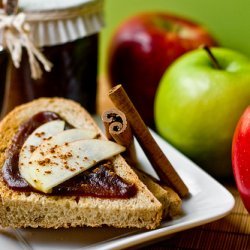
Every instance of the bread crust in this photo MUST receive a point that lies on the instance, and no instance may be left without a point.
(22, 209)
(170, 200)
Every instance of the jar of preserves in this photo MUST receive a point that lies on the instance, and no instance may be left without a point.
(59, 51)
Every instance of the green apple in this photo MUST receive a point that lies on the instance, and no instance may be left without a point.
(197, 105)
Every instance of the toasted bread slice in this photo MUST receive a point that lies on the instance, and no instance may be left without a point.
(170, 200)
(21, 209)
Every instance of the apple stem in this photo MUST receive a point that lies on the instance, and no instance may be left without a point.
(212, 57)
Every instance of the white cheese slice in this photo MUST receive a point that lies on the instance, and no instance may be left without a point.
(61, 163)
(34, 140)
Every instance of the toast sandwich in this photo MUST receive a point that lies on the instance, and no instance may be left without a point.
(33, 208)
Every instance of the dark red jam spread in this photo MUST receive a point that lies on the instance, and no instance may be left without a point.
(100, 181)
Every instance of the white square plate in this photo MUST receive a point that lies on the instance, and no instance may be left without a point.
(209, 201)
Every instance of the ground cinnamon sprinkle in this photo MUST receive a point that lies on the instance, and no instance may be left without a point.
(62, 157)
(32, 148)
(65, 156)
(52, 150)
(44, 162)
(69, 154)
(40, 134)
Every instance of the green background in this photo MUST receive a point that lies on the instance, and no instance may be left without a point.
(227, 20)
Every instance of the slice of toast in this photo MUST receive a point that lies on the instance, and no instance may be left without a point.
(170, 200)
(22, 209)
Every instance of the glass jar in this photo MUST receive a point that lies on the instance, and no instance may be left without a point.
(3, 67)
(74, 71)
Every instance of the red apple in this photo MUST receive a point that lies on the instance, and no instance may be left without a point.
(143, 47)
(241, 157)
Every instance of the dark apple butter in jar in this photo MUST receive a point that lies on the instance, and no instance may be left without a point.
(67, 36)
(73, 75)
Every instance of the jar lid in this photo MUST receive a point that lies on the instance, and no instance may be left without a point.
(57, 22)
(45, 5)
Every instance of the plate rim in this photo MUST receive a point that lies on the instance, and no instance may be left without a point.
(148, 236)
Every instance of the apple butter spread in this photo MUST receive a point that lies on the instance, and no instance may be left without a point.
(99, 181)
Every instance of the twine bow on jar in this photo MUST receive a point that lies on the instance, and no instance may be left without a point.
(16, 35)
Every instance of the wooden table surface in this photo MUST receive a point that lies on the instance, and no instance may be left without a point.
(231, 232)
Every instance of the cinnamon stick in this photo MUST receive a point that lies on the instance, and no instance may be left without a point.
(107, 119)
(118, 129)
(153, 152)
